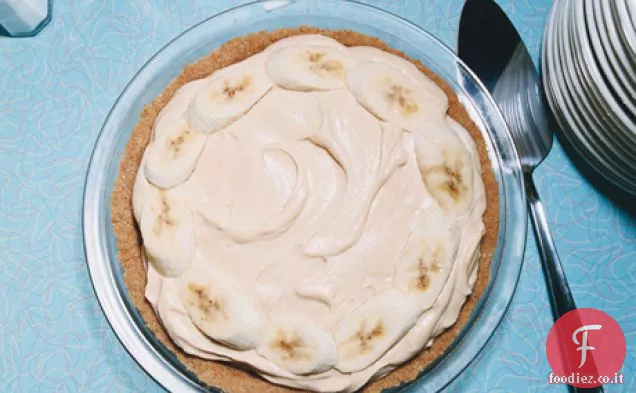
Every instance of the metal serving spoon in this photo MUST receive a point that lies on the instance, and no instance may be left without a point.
(490, 45)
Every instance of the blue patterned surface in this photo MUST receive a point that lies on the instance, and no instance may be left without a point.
(55, 91)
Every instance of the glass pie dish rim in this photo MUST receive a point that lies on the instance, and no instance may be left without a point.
(121, 313)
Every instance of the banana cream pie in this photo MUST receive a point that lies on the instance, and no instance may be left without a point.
(311, 211)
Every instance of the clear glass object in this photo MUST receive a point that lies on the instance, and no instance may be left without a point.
(154, 76)
(24, 18)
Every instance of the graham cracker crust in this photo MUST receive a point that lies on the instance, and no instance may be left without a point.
(224, 376)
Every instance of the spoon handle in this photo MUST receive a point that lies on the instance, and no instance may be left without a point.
(561, 300)
(559, 293)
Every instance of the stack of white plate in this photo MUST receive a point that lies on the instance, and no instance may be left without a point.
(589, 75)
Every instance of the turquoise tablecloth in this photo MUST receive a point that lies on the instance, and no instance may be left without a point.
(55, 91)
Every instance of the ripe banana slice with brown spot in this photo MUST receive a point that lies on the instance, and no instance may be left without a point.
(167, 227)
(374, 327)
(393, 96)
(228, 95)
(173, 155)
(437, 96)
(220, 310)
(307, 68)
(428, 258)
(447, 168)
(298, 346)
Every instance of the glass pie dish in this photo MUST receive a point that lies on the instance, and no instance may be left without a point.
(101, 247)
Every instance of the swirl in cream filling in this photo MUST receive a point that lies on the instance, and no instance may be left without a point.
(311, 212)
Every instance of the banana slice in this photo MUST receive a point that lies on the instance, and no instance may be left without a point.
(308, 68)
(392, 96)
(304, 40)
(219, 310)
(375, 55)
(298, 346)
(373, 328)
(228, 95)
(447, 168)
(171, 116)
(172, 157)
(428, 259)
(167, 227)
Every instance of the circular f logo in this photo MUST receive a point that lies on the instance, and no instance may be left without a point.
(585, 343)
(584, 347)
